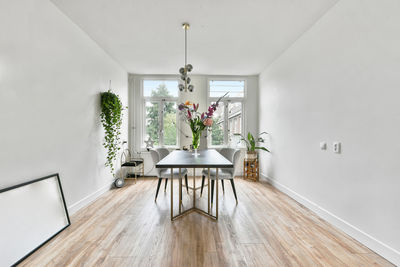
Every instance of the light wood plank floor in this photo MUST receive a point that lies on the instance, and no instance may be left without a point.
(125, 227)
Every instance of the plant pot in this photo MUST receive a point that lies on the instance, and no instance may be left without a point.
(251, 155)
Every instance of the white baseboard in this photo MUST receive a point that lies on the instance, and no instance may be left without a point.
(372, 243)
(88, 199)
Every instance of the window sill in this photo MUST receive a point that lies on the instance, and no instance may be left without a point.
(226, 146)
(144, 149)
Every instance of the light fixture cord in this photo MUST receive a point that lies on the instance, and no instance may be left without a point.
(185, 46)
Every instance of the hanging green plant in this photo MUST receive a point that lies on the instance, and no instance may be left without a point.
(111, 118)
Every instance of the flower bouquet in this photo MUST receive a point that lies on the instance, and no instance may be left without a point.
(196, 120)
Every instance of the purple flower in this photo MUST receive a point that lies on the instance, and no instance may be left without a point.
(181, 106)
(210, 111)
(202, 116)
(189, 115)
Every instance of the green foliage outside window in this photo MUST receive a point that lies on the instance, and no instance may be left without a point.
(153, 121)
(169, 128)
(217, 133)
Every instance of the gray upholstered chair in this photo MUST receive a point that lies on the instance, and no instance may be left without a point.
(232, 155)
(157, 155)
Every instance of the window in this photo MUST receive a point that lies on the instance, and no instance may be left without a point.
(217, 129)
(160, 111)
(228, 118)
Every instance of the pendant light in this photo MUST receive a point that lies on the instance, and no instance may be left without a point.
(185, 84)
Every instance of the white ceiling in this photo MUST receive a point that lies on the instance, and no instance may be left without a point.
(227, 37)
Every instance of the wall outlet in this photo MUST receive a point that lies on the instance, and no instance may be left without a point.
(322, 145)
(336, 147)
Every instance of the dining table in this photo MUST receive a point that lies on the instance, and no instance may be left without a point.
(204, 159)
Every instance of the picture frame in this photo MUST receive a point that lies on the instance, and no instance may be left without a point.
(40, 226)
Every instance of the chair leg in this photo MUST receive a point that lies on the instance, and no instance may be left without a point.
(165, 187)
(212, 190)
(158, 188)
(234, 190)
(202, 185)
(223, 187)
(186, 182)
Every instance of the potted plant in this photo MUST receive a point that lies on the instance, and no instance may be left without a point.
(111, 118)
(251, 144)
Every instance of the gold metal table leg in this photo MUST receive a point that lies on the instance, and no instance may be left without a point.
(193, 208)
(172, 193)
(180, 191)
(194, 186)
(216, 184)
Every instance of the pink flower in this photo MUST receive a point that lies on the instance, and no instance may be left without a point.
(189, 115)
(208, 122)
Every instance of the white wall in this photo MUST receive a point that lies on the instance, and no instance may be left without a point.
(340, 82)
(51, 74)
(198, 96)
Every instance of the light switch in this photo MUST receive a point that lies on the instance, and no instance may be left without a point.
(336, 147)
(322, 145)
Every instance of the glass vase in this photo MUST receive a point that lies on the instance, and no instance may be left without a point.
(196, 141)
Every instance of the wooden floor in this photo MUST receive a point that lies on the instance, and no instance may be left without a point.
(125, 227)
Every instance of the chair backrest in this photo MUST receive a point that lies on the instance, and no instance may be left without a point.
(227, 153)
(126, 156)
(163, 152)
(236, 157)
(156, 158)
(157, 155)
(232, 155)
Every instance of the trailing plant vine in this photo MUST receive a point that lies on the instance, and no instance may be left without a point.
(111, 118)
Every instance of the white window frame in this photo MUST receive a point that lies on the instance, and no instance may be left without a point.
(226, 101)
(160, 101)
